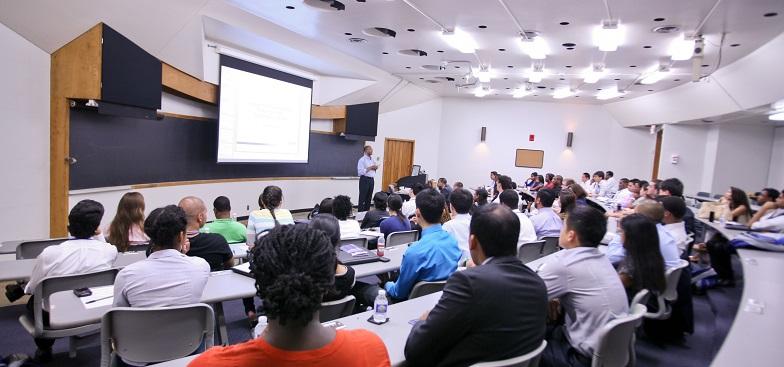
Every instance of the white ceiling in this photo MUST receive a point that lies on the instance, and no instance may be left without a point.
(741, 21)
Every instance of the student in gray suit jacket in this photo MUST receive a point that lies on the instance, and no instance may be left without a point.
(494, 311)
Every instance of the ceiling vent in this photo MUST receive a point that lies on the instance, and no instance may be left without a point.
(357, 40)
(380, 32)
(434, 67)
(412, 52)
(666, 29)
(325, 5)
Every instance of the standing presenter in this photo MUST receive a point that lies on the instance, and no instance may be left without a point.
(366, 170)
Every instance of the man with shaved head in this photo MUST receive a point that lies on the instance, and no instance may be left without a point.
(211, 247)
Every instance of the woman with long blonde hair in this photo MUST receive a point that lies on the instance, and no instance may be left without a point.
(127, 227)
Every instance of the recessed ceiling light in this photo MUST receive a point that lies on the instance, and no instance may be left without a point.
(735, 45)
(412, 52)
(598, 88)
(568, 66)
(541, 87)
(408, 67)
(658, 19)
(570, 48)
(457, 67)
(676, 80)
(705, 65)
(482, 27)
(617, 79)
(379, 32)
(357, 40)
(421, 78)
(510, 66)
(290, 7)
(650, 90)
(564, 23)
(411, 30)
(502, 49)
(347, 34)
(632, 66)
(568, 44)
(707, 121)
(768, 15)
(506, 78)
(327, 5)
(621, 97)
(561, 79)
(666, 29)
(440, 51)
(536, 95)
(385, 53)
(507, 88)
(647, 46)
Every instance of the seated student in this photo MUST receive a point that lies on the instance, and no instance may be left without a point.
(269, 215)
(569, 182)
(457, 186)
(674, 187)
(495, 310)
(460, 203)
(211, 247)
(480, 197)
(667, 244)
(546, 222)
(598, 184)
(344, 275)
(585, 182)
(504, 183)
(568, 201)
(81, 254)
(409, 207)
(538, 184)
(674, 210)
(767, 195)
(587, 287)
(580, 195)
(549, 182)
(643, 266)
(611, 185)
(396, 222)
(294, 266)
(527, 233)
(738, 201)
(530, 180)
(224, 224)
(341, 209)
(645, 193)
(126, 227)
(434, 257)
(167, 277)
(377, 213)
(443, 188)
(770, 217)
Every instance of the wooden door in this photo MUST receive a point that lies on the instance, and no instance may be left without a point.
(398, 159)
(657, 154)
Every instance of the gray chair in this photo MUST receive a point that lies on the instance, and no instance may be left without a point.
(550, 246)
(50, 285)
(337, 309)
(359, 241)
(616, 343)
(530, 251)
(31, 249)
(717, 196)
(641, 298)
(155, 334)
(424, 288)
(670, 294)
(401, 238)
(530, 359)
(703, 194)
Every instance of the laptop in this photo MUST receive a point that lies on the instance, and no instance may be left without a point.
(354, 255)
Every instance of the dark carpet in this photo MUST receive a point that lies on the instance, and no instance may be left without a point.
(713, 316)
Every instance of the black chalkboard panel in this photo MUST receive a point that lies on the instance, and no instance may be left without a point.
(117, 151)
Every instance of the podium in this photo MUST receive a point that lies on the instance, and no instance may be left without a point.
(410, 181)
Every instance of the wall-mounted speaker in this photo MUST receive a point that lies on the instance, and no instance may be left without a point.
(569, 138)
(484, 133)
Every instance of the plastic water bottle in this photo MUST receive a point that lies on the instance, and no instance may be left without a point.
(380, 306)
(380, 246)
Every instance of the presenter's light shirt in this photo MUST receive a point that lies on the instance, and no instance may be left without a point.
(363, 164)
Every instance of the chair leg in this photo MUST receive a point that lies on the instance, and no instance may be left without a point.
(72, 341)
(220, 318)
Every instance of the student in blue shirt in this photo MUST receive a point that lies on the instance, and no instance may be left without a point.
(396, 222)
(434, 257)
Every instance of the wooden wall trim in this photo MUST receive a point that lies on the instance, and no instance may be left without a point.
(327, 112)
(233, 180)
(183, 84)
(75, 72)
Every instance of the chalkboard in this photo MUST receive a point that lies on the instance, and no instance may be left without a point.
(118, 151)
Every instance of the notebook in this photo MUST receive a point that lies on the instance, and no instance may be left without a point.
(353, 255)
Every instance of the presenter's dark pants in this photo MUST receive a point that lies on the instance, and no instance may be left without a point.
(365, 193)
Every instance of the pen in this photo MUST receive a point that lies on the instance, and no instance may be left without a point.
(99, 299)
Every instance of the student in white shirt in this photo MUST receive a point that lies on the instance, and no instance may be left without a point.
(610, 185)
(409, 206)
(460, 203)
(585, 181)
(511, 199)
(597, 183)
(770, 217)
(586, 286)
(79, 255)
(674, 210)
(341, 209)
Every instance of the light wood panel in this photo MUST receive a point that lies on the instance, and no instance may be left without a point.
(75, 73)
(226, 180)
(398, 160)
(328, 112)
(180, 83)
(657, 154)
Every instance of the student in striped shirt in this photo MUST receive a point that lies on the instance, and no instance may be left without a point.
(269, 215)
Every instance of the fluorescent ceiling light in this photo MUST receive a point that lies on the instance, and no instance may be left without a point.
(563, 93)
(481, 91)
(536, 73)
(682, 48)
(609, 93)
(656, 75)
(536, 48)
(460, 40)
(593, 74)
(484, 74)
(523, 91)
(609, 35)
(778, 116)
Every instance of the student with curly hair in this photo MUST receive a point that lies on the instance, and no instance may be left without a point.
(294, 266)
(269, 214)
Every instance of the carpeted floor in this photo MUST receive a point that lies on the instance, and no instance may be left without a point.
(713, 315)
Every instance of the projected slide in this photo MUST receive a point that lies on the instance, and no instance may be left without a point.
(262, 119)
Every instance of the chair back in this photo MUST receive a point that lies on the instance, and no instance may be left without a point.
(359, 241)
(671, 277)
(596, 205)
(550, 246)
(703, 194)
(616, 343)
(401, 238)
(530, 251)
(530, 359)
(424, 288)
(717, 196)
(337, 309)
(54, 284)
(641, 298)
(140, 247)
(155, 334)
(31, 249)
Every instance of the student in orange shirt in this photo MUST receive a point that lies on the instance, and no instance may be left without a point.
(294, 266)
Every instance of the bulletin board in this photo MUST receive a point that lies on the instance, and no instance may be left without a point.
(529, 158)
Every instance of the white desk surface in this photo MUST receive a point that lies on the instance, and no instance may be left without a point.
(394, 254)
(756, 334)
(395, 332)
(23, 269)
